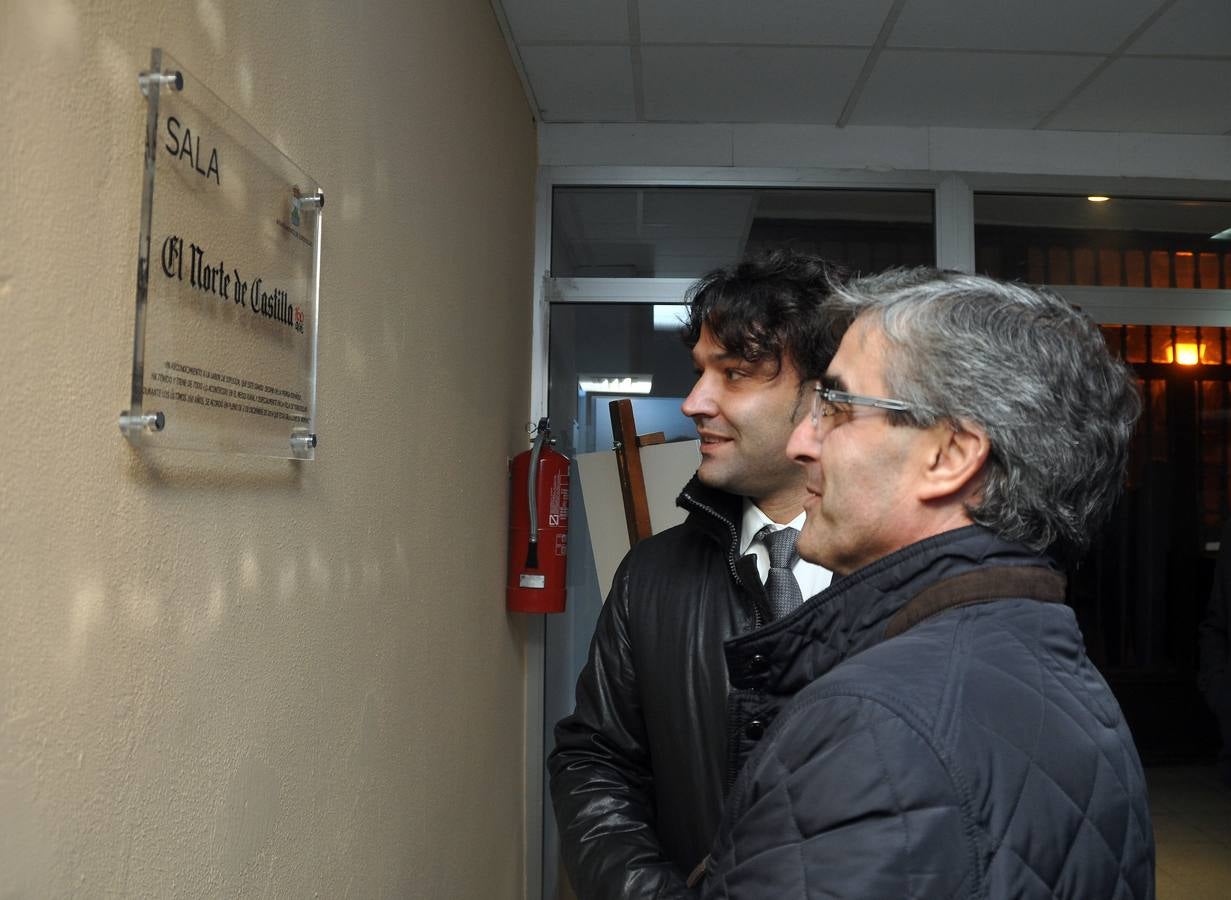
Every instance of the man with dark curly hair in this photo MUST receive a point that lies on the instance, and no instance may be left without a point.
(640, 769)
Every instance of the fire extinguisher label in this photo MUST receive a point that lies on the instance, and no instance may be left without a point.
(532, 581)
(561, 544)
(558, 514)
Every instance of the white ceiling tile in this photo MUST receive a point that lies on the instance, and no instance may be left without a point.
(1044, 25)
(966, 89)
(567, 20)
(851, 22)
(1190, 28)
(581, 84)
(1153, 95)
(747, 84)
(749, 63)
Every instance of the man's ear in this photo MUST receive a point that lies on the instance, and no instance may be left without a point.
(954, 461)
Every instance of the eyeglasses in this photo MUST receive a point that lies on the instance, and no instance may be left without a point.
(828, 403)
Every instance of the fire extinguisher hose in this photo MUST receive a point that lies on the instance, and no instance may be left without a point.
(532, 551)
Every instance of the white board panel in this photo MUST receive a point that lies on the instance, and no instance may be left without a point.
(667, 468)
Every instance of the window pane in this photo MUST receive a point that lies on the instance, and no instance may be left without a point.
(1138, 242)
(1210, 275)
(1185, 269)
(634, 232)
(1110, 264)
(594, 348)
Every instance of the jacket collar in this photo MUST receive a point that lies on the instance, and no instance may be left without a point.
(851, 614)
(719, 516)
(716, 513)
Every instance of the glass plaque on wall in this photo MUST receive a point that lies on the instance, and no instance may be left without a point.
(228, 277)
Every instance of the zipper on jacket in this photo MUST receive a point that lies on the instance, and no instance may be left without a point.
(731, 551)
(734, 723)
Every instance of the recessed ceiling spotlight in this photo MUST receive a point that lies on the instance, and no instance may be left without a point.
(1098, 198)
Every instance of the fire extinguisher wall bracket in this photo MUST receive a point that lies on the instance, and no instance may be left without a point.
(538, 526)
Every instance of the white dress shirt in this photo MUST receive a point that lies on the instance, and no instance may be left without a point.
(812, 578)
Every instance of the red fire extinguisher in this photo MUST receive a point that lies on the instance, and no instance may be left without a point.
(538, 527)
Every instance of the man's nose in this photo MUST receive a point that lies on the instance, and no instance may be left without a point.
(804, 443)
(699, 401)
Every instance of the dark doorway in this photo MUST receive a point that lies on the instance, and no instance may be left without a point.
(1141, 591)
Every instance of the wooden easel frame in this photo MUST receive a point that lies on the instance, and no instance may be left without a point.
(628, 461)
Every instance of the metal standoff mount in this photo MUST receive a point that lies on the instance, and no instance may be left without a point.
(170, 79)
(313, 201)
(130, 426)
(303, 441)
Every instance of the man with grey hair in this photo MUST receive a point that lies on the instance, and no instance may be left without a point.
(947, 736)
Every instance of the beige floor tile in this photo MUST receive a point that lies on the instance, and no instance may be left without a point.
(1196, 863)
(1175, 827)
(1191, 810)
(1168, 888)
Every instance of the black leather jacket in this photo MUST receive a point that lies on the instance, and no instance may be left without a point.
(641, 767)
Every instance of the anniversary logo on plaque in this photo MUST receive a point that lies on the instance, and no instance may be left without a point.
(228, 281)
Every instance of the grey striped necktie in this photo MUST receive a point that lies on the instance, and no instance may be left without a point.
(780, 584)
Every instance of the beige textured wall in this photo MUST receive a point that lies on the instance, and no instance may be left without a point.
(222, 675)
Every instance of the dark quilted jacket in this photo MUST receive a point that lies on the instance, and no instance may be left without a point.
(977, 754)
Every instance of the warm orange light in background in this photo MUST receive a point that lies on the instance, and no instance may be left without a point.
(1183, 353)
(1187, 354)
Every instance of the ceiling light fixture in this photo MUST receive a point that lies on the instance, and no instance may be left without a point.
(615, 384)
(1098, 198)
(1224, 235)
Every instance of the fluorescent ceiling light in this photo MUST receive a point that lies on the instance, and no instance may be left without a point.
(615, 384)
(669, 316)
(1224, 235)
(1098, 198)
